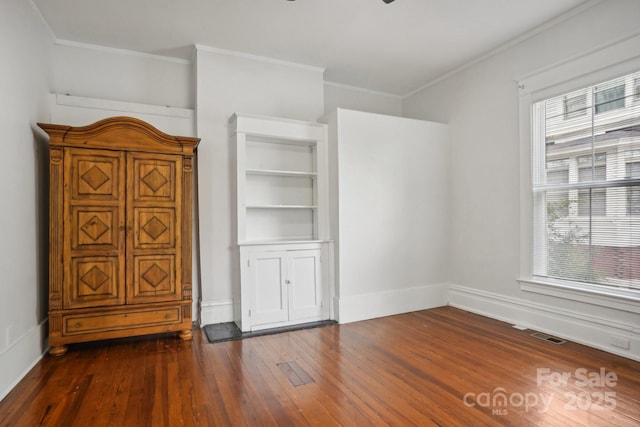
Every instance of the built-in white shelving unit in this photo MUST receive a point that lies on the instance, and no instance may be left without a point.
(282, 223)
(281, 179)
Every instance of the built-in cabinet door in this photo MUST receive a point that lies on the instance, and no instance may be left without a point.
(287, 286)
(269, 293)
(305, 284)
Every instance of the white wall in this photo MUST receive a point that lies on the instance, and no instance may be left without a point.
(25, 51)
(389, 190)
(82, 111)
(480, 104)
(229, 83)
(352, 98)
(120, 75)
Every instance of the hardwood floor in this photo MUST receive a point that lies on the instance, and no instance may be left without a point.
(441, 367)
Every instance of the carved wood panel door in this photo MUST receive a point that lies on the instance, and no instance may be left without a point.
(154, 240)
(94, 230)
(122, 211)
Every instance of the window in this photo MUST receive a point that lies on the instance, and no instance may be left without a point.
(575, 106)
(633, 193)
(636, 88)
(586, 187)
(609, 96)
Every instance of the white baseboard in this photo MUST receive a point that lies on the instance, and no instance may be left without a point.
(21, 356)
(579, 327)
(354, 308)
(216, 311)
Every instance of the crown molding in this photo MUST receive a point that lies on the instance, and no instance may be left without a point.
(238, 54)
(117, 51)
(361, 89)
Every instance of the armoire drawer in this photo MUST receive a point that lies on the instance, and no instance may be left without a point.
(92, 323)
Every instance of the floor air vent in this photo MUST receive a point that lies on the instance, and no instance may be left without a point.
(545, 337)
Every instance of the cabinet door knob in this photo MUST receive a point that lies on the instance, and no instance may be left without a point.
(288, 282)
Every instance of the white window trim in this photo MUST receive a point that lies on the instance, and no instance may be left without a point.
(621, 299)
(567, 76)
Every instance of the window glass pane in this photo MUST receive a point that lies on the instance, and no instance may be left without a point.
(558, 204)
(575, 106)
(588, 228)
(560, 176)
(592, 201)
(567, 246)
(633, 201)
(609, 98)
(633, 193)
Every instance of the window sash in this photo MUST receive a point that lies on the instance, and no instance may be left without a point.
(585, 227)
(587, 185)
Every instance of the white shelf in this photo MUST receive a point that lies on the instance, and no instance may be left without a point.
(281, 179)
(265, 172)
(264, 156)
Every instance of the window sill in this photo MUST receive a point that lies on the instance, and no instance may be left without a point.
(620, 299)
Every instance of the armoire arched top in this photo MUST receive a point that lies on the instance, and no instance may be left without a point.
(119, 133)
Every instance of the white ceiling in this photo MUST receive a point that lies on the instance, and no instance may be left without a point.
(393, 48)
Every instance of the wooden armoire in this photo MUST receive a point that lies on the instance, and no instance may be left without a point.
(119, 231)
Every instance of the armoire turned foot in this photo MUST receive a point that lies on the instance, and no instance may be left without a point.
(119, 231)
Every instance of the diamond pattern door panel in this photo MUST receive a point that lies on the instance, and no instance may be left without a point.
(155, 228)
(95, 228)
(154, 180)
(154, 251)
(95, 176)
(95, 282)
(154, 279)
(94, 232)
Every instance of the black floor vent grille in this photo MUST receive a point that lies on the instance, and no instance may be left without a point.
(545, 337)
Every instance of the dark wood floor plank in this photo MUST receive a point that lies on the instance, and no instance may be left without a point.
(199, 407)
(283, 397)
(430, 388)
(335, 398)
(432, 367)
(367, 388)
(305, 398)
